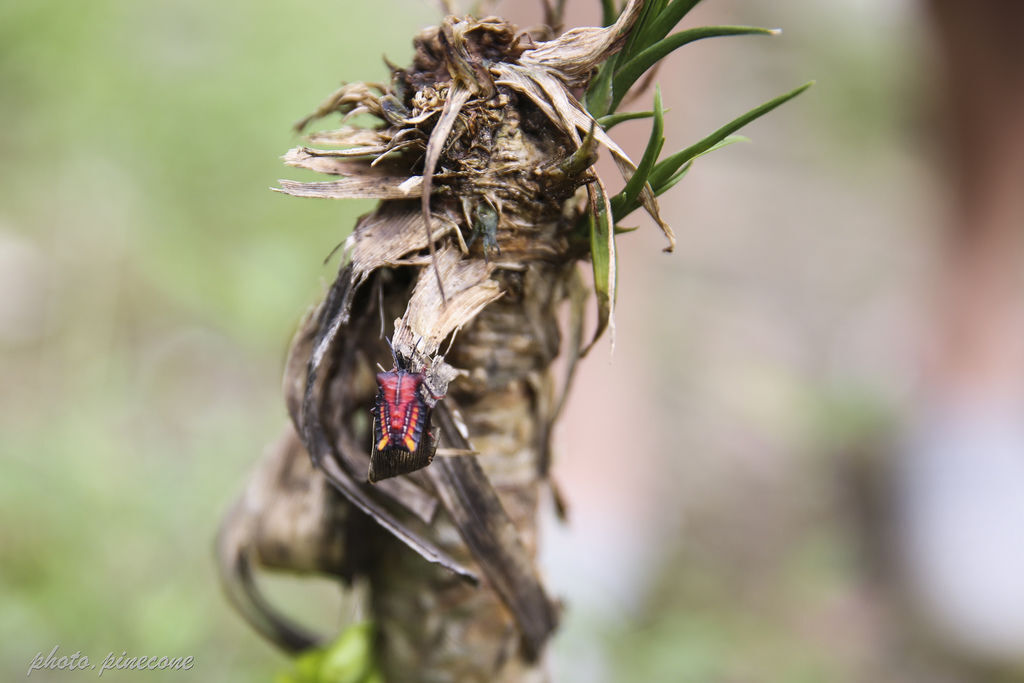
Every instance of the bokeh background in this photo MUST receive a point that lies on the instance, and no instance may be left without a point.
(724, 515)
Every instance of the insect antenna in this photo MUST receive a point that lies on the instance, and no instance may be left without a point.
(333, 251)
(380, 306)
(417, 347)
(451, 341)
(394, 355)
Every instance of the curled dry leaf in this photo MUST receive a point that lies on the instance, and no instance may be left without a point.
(470, 253)
(575, 54)
(427, 322)
(389, 234)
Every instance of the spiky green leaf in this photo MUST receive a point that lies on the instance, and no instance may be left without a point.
(599, 93)
(612, 120)
(666, 168)
(648, 14)
(608, 12)
(671, 182)
(655, 143)
(634, 66)
(667, 20)
(678, 175)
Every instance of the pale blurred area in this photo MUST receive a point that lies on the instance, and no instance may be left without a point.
(803, 462)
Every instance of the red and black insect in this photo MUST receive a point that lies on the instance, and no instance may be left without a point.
(402, 441)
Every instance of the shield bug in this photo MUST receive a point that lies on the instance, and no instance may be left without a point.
(402, 441)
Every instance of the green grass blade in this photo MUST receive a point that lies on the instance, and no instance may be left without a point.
(634, 66)
(678, 175)
(668, 18)
(671, 182)
(650, 157)
(666, 168)
(612, 120)
(648, 14)
(599, 92)
(608, 12)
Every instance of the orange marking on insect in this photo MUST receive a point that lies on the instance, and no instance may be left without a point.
(410, 444)
(383, 442)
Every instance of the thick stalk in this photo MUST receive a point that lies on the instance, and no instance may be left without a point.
(433, 626)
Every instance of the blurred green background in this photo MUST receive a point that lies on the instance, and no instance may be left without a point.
(151, 282)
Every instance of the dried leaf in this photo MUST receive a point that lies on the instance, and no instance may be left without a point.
(333, 318)
(457, 97)
(575, 54)
(236, 571)
(492, 538)
(520, 78)
(390, 233)
(308, 537)
(353, 152)
(349, 98)
(400, 490)
(559, 105)
(356, 187)
(426, 322)
(349, 135)
(602, 254)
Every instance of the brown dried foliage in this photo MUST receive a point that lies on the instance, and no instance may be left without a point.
(474, 245)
